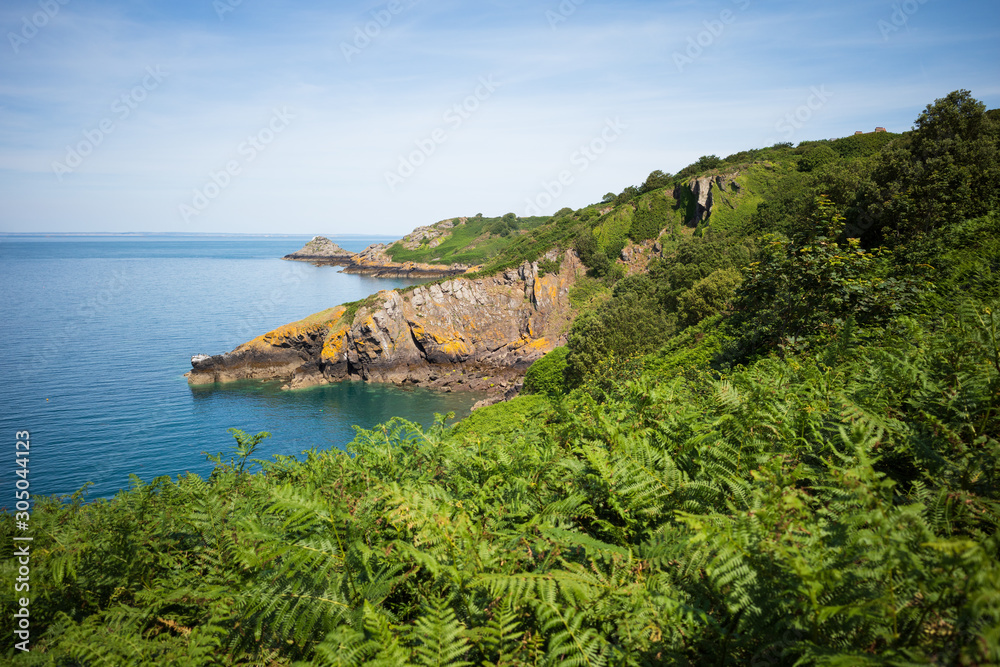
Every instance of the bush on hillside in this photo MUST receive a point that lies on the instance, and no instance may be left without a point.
(709, 296)
(649, 219)
(545, 376)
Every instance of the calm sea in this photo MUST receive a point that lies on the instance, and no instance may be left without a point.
(97, 333)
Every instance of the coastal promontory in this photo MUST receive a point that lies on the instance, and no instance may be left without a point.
(462, 333)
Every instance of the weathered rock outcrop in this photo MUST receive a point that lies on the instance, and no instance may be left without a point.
(462, 333)
(431, 235)
(701, 189)
(372, 261)
(321, 250)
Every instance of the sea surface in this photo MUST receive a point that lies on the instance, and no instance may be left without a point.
(97, 333)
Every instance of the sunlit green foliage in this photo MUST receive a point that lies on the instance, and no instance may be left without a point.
(546, 375)
(829, 513)
(947, 170)
(475, 241)
(812, 281)
(708, 296)
(651, 216)
(697, 279)
(804, 472)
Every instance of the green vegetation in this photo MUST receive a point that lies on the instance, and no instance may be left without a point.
(612, 230)
(557, 232)
(781, 445)
(588, 293)
(692, 281)
(547, 266)
(473, 242)
(546, 375)
(354, 306)
(652, 215)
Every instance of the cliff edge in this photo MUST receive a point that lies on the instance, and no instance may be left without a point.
(463, 333)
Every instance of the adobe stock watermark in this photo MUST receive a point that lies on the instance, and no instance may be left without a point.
(381, 18)
(255, 321)
(562, 13)
(122, 107)
(581, 159)
(900, 17)
(454, 117)
(248, 151)
(223, 7)
(796, 119)
(707, 37)
(38, 20)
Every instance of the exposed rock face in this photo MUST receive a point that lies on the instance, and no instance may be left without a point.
(431, 235)
(506, 395)
(278, 353)
(372, 261)
(635, 256)
(701, 188)
(408, 270)
(462, 333)
(323, 250)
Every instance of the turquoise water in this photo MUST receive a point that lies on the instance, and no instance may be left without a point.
(97, 333)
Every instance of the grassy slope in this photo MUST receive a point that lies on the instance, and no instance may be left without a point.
(469, 243)
(758, 182)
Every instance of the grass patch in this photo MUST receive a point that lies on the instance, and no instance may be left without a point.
(470, 243)
(588, 293)
(503, 421)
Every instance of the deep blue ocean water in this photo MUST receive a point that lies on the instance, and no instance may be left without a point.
(97, 333)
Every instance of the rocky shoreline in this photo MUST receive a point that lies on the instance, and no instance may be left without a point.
(372, 261)
(461, 334)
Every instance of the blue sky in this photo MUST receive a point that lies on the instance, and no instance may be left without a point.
(373, 118)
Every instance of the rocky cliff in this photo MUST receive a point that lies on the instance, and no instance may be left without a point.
(372, 261)
(460, 334)
(704, 194)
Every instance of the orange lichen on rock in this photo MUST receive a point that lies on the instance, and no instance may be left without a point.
(447, 342)
(312, 325)
(546, 289)
(540, 344)
(335, 345)
(454, 348)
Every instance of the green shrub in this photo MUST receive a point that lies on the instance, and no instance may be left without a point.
(803, 285)
(546, 375)
(816, 156)
(650, 218)
(862, 145)
(631, 324)
(547, 266)
(708, 296)
(613, 229)
(586, 292)
(502, 422)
